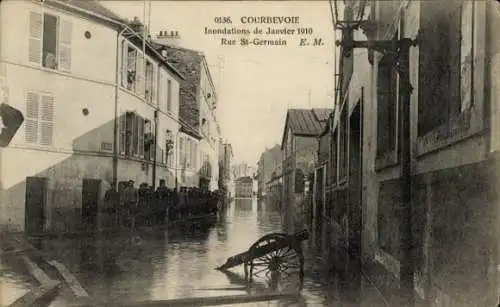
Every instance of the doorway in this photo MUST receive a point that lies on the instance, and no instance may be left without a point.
(36, 200)
(355, 182)
(90, 201)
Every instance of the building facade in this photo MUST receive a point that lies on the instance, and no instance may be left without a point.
(198, 107)
(299, 150)
(225, 158)
(244, 187)
(451, 176)
(268, 164)
(93, 111)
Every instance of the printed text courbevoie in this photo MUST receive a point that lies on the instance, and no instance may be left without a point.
(270, 19)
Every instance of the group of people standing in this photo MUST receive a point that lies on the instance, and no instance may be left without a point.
(144, 206)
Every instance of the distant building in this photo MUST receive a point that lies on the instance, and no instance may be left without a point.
(299, 146)
(225, 158)
(242, 170)
(244, 187)
(269, 162)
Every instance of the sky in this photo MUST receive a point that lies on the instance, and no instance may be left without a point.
(255, 84)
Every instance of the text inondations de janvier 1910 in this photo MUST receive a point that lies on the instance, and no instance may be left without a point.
(262, 31)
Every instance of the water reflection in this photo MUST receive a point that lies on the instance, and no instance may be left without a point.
(159, 265)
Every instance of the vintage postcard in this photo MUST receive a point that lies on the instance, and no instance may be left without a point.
(249, 153)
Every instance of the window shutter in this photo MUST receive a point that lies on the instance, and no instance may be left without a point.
(35, 37)
(124, 62)
(47, 120)
(65, 37)
(140, 136)
(31, 121)
(123, 133)
(154, 81)
(140, 89)
(466, 55)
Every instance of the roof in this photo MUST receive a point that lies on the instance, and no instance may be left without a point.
(305, 122)
(95, 7)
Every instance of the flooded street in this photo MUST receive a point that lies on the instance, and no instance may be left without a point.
(180, 264)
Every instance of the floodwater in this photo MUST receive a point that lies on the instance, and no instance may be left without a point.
(15, 280)
(177, 264)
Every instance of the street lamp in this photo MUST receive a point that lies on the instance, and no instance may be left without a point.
(399, 50)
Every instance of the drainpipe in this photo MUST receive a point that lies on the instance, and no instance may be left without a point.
(154, 150)
(115, 130)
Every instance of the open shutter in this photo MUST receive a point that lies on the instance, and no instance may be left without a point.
(47, 120)
(140, 136)
(31, 119)
(466, 55)
(123, 134)
(154, 80)
(124, 61)
(140, 89)
(65, 37)
(35, 38)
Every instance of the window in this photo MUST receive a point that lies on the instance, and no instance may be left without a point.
(194, 154)
(387, 92)
(132, 135)
(149, 139)
(133, 74)
(169, 149)
(343, 138)
(39, 122)
(188, 153)
(169, 96)
(50, 41)
(182, 155)
(446, 68)
(150, 91)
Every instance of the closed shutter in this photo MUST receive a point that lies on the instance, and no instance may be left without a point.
(47, 120)
(66, 34)
(35, 38)
(31, 120)
(123, 134)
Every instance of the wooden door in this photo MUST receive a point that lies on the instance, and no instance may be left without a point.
(90, 202)
(36, 198)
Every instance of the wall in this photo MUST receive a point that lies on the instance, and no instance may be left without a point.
(82, 144)
(73, 132)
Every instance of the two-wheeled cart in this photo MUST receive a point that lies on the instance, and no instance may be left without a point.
(273, 253)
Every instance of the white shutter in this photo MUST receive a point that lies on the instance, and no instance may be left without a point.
(35, 38)
(124, 62)
(31, 120)
(47, 120)
(65, 37)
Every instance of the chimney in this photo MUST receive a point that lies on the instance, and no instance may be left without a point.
(168, 38)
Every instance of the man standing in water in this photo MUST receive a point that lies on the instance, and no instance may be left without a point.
(130, 199)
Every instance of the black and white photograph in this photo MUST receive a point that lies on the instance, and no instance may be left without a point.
(339, 153)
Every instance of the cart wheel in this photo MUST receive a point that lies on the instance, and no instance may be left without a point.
(284, 261)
